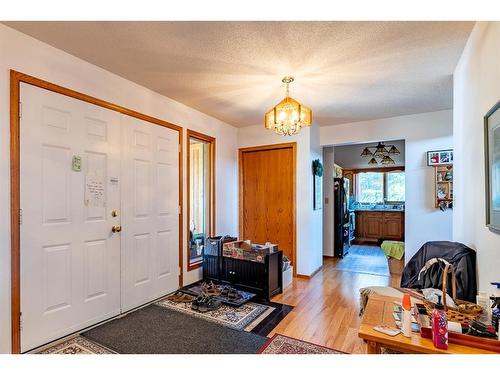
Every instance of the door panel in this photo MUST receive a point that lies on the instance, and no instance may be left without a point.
(70, 260)
(268, 197)
(150, 220)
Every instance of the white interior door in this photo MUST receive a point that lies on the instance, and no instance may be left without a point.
(150, 217)
(70, 259)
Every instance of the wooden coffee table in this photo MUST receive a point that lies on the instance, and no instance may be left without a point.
(379, 311)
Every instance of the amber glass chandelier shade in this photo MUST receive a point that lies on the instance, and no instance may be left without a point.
(372, 162)
(288, 116)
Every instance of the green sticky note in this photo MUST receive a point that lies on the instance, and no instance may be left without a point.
(77, 163)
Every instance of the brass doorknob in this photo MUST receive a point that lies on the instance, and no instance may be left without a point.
(116, 228)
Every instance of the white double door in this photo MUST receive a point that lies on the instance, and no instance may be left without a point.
(75, 271)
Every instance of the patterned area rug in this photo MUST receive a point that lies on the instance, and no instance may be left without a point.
(279, 344)
(76, 345)
(243, 318)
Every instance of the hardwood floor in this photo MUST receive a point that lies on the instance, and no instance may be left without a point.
(327, 306)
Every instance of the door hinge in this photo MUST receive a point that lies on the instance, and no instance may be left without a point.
(179, 148)
(20, 216)
(20, 321)
(20, 109)
(179, 210)
(179, 271)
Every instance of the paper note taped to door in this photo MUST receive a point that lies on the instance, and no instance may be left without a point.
(94, 191)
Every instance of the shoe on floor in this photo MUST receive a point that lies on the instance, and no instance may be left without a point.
(205, 302)
(179, 297)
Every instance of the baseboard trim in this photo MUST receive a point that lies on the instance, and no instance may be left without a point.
(311, 275)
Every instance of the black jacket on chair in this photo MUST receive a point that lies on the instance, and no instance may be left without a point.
(461, 257)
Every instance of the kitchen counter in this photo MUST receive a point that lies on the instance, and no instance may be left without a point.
(377, 210)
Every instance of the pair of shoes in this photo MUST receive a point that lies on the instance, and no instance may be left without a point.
(179, 297)
(205, 302)
(230, 293)
(210, 288)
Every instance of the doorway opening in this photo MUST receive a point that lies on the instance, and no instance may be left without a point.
(364, 204)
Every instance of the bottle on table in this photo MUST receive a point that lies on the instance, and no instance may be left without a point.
(406, 316)
(439, 326)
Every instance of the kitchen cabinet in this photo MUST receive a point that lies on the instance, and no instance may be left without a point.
(373, 226)
(373, 222)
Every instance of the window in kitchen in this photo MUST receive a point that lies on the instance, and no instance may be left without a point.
(377, 187)
(370, 187)
(395, 186)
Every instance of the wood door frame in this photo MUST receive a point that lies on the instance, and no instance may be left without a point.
(16, 78)
(279, 146)
(211, 225)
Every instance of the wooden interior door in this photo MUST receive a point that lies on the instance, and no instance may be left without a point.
(267, 196)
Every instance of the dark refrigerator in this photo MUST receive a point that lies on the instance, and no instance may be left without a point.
(341, 217)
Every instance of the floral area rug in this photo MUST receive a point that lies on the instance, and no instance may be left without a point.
(242, 318)
(279, 344)
(75, 345)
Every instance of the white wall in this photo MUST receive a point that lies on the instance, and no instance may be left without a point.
(422, 132)
(27, 55)
(308, 226)
(476, 90)
(315, 242)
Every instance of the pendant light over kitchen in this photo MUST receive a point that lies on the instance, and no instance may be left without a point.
(382, 152)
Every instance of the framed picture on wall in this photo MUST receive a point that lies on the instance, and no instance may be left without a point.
(440, 157)
(492, 163)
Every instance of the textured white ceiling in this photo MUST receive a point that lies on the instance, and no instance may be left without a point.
(344, 71)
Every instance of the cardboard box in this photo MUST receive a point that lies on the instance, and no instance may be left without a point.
(245, 250)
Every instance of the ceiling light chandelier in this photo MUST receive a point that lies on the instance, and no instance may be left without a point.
(288, 116)
(382, 152)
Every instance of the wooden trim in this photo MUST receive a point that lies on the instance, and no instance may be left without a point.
(300, 276)
(16, 78)
(181, 208)
(211, 225)
(15, 204)
(241, 151)
(270, 147)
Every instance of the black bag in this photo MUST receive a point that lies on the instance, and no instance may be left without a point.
(462, 259)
